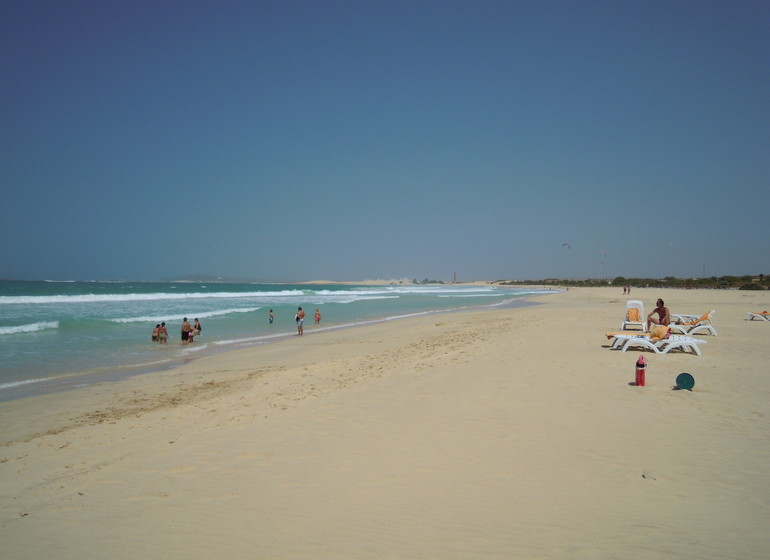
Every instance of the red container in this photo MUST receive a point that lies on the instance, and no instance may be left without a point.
(641, 367)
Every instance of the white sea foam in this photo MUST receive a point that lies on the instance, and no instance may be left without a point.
(32, 327)
(411, 290)
(202, 315)
(251, 339)
(456, 295)
(366, 292)
(102, 298)
(335, 295)
(406, 316)
(334, 298)
(440, 289)
(196, 348)
(12, 384)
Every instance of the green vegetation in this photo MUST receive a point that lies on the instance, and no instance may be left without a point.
(747, 282)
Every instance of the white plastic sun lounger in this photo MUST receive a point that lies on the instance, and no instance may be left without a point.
(764, 315)
(696, 325)
(683, 317)
(619, 338)
(664, 346)
(635, 316)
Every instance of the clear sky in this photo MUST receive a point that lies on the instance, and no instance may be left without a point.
(346, 140)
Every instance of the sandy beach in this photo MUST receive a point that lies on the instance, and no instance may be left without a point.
(509, 433)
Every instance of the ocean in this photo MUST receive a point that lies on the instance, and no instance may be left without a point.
(58, 335)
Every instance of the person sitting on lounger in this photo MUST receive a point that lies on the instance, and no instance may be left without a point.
(663, 317)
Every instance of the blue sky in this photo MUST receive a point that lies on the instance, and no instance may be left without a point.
(299, 140)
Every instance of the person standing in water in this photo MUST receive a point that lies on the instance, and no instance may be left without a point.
(186, 331)
(300, 318)
(317, 316)
(270, 317)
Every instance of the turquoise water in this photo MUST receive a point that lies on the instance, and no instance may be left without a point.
(55, 335)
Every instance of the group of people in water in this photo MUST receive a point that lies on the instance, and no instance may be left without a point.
(189, 332)
(299, 318)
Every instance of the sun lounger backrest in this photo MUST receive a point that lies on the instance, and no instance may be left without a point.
(634, 315)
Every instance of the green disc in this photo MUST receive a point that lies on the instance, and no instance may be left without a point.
(685, 381)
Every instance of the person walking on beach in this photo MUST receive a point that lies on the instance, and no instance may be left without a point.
(663, 315)
(186, 331)
(270, 317)
(317, 316)
(163, 333)
(300, 318)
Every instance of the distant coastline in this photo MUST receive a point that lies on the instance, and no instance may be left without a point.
(743, 282)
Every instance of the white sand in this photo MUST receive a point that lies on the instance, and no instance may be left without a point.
(504, 434)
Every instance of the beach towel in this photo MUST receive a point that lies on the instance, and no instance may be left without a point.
(659, 332)
(703, 317)
(633, 315)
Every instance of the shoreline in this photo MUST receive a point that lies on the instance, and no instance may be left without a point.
(155, 380)
(498, 433)
(112, 374)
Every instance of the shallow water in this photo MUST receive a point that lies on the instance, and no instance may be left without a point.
(58, 334)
